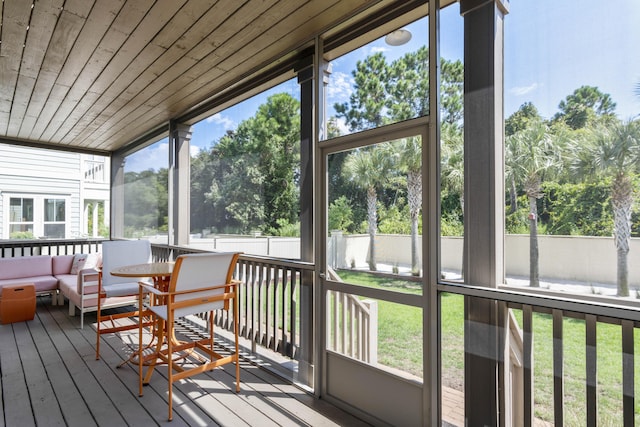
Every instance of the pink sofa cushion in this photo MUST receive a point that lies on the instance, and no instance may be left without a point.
(40, 283)
(62, 264)
(26, 267)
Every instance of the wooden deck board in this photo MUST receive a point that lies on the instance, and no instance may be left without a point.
(17, 407)
(50, 377)
(120, 385)
(50, 363)
(85, 378)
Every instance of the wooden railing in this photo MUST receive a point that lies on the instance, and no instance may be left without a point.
(20, 247)
(352, 324)
(518, 395)
(269, 302)
(558, 349)
(270, 309)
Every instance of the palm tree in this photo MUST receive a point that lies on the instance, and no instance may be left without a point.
(408, 152)
(517, 121)
(529, 158)
(452, 164)
(452, 154)
(511, 146)
(367, 168)
(614, 152)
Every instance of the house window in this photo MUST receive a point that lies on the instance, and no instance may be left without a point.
(36, 216)
(54, 218)
(21, 217)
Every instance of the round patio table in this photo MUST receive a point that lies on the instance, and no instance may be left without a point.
(160, 272)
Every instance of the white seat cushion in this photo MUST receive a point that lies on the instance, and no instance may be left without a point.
(161, 310)
(121, 289)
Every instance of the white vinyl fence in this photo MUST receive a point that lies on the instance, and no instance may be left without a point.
(576, 258)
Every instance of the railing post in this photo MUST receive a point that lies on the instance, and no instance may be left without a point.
(558, 369)
(527, 362)
(591, 323)
(371, 337)
(514, 389)
(628, 372)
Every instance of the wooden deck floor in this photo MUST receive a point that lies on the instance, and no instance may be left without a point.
(49, 377)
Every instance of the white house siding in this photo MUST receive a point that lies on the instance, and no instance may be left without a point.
(37, 172)
(33, 162)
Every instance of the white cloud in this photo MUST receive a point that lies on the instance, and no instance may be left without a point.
(524, 90)
(153, 157)
(220, 120)
(340, 87)
(194, 150)
(376, 49)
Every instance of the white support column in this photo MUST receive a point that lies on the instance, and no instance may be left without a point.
(107, 212)
(94, 222)
(85, 218)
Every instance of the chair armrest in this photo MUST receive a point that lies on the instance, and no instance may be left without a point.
(209, 288)
(152, 289)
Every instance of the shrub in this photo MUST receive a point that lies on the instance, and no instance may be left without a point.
(340, 215)
(395, 220)
(577, 209)
(21, 235)
(451, 225)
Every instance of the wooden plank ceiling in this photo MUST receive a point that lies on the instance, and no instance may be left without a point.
(97, 74)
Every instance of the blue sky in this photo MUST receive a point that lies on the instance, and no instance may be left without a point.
(547, 57)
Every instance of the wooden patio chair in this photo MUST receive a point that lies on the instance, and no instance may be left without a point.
(116, 254)
(200, 283)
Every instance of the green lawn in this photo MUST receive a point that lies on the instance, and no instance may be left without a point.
(399, 326)
(400, 344)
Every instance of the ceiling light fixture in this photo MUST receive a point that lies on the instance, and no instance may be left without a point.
(398, 37)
